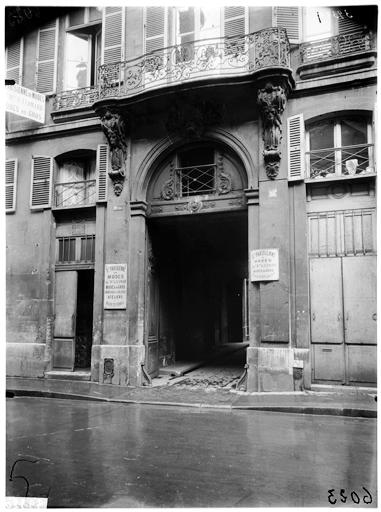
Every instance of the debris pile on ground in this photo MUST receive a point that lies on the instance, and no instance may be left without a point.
(211, 381)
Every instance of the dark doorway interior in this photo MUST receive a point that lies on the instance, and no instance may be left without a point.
(84, 323)
(200, 265)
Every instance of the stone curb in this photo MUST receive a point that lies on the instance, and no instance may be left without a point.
(353, 412)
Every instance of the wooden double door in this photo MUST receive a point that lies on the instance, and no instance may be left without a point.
(343, 319)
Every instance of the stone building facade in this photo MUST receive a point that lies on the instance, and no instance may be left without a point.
(204, 176)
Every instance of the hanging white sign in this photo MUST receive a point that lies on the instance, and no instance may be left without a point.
(264, 265)
(115, 291)
(25, 103)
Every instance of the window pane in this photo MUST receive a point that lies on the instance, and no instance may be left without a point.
(197, 156)
(87, 248)
(318, 23)
(353, 131)
(186, 20)
(95, 13)
(209, 22)
(76, 17)
(77, 61)
(321, 136)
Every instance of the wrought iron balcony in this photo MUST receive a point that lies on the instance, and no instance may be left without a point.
(75, 193)
(341, 45)
(345, 161)
(75, 98)
(197, 60)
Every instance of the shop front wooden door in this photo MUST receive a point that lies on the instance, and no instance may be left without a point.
(65, 319)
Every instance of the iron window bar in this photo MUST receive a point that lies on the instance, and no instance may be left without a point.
(195, 180)
(335, 161)
(87, 188)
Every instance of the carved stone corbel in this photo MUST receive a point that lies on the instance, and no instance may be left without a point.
(271, 101)
(114, 128)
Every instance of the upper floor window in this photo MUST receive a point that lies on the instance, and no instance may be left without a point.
(83, 47)
(339, 147)
(75, 183)
(318, 23)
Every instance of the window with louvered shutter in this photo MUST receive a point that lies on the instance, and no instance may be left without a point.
(42, 172)
(14, 61)
(290, 19)
(155, 28)
(10, 185)
(234, 21)
(347, 25)
(47, 58)
(113, 35)
(102, 171)
(295, 142)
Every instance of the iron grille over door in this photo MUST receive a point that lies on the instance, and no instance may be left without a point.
(196, 180)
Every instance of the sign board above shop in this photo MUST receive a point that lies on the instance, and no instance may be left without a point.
(115, 292)
(264, 265)
(25, 103)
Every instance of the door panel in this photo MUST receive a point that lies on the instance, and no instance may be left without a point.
(65, 319)
(329, 362)
(65, 304)
(326, 300)
(359, 281)
(362, 364)
(152, 329)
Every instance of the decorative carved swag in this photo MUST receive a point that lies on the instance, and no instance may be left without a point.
(271, 101)
(114, 128)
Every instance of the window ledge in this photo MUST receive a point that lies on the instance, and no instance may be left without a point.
(336, 65)
(341, 178)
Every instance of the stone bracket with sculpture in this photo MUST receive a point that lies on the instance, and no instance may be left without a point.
(271, 101)
(114, 128)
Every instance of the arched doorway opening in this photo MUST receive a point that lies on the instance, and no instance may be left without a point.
(197, 247)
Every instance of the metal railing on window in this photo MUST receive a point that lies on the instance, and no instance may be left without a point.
(344, 44)
(88, 248)
(75, 98)
(75, 193)
(343, 161)
(196, 180)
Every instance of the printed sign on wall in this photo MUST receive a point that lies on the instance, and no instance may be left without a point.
(115, 295)
(264, 265)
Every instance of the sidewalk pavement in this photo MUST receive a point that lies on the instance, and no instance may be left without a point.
(339, 401)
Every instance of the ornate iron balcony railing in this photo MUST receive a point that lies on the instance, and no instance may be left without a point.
(197, 60)
(75, 193)
(75, 98)
(344, 44)
(344, 161)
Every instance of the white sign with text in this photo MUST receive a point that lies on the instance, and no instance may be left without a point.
(115, 293)
(264, 265)
(25, 103)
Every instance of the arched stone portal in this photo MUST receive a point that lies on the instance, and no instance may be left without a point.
(196, 247)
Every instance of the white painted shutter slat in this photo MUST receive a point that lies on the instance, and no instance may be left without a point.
(102, 171)
(47, 58)
(348, 25)
(41, 188)
(113, 35)
(295, 144)
(290, 19)
(155, 28)
(234, 21)
(15, 61)
(10, 184)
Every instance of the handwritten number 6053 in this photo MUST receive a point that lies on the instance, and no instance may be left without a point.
(367, 498)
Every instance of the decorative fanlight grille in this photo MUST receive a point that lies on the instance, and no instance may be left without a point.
(196, 180)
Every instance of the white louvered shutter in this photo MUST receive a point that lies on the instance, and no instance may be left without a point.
(15, 61)
(290, 19)
(41, 188)
(102, 171)
(113, 35)
(235, 21)
(10, 185)
(295, 143)
(47, 58)
(155, 28)
(347, 25)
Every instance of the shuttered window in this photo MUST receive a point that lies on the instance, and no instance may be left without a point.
(113, 34)
(14, 59)
(235, 21)
(47, 57)
(102, 171)
(42, 172)
(295, 142)
(347, 25)
(290, 19)
(155, 28)
(10, 185)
